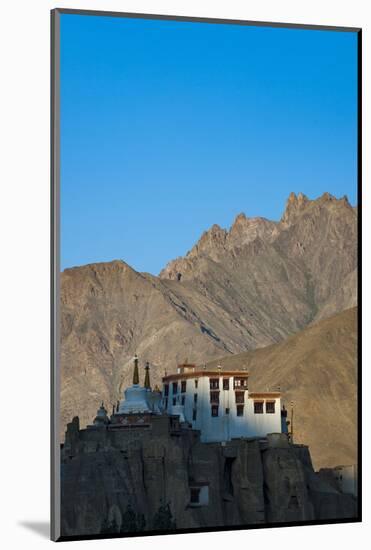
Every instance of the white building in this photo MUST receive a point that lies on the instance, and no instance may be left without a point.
(218, 403)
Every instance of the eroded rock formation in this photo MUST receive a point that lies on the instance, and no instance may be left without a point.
(160, 477)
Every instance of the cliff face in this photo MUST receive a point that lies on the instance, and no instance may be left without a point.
(236, 290)
(114, 482)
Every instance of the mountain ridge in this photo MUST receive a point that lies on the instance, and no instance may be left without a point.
(259, 226)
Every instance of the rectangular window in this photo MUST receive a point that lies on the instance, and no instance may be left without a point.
(165, 402)
(198, 496)
(270, 407)
(240, 383)
(184, 386)
(240, 410)
(196, 384)
(175, 387)
(214, 383)
(240, 396)
(225, 383)
(194, 415)
(227, 410)
(174, 400)
(258, 407)
(195, 495)
(166, 390)
(195, 398)
(214, 397)
(214, 410)
(183, 400)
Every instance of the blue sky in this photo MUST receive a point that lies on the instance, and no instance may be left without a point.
(168, 127)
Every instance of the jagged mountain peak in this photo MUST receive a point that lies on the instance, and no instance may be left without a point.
(295, 204)
(210, 243)
(215, 233)
(240, 218)
(244, 230)
(246, 221)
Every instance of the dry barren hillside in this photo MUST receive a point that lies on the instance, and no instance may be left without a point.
(317, 370)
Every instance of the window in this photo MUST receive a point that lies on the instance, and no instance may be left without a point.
(227, 410)
(270, 407)
(240, 410)
(166, 390)
(195, 398)
(225, 383)
(214, 397)
(183, 399)
(175, 387)
(195, 495)
(194, 415)
(198, 495)
(184, 386)
(258, 407)
(214, 410)
(196, 384)
(240, 383)
(165, 402)
(240, 397)
(214, 383)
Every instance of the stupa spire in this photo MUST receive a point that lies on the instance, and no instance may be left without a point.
(136, 371)
(147, 383)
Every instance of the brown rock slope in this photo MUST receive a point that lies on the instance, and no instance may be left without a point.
(236, 290)
(317, 370)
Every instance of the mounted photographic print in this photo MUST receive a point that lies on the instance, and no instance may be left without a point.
(206, 191)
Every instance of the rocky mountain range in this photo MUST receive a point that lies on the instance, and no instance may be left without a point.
(236, 290)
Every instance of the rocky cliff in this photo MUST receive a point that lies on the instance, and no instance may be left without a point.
(119, 482)
(236, 290)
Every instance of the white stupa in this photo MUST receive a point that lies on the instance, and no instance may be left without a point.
(135, 396)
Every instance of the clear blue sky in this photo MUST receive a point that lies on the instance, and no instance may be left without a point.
(169, 127)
